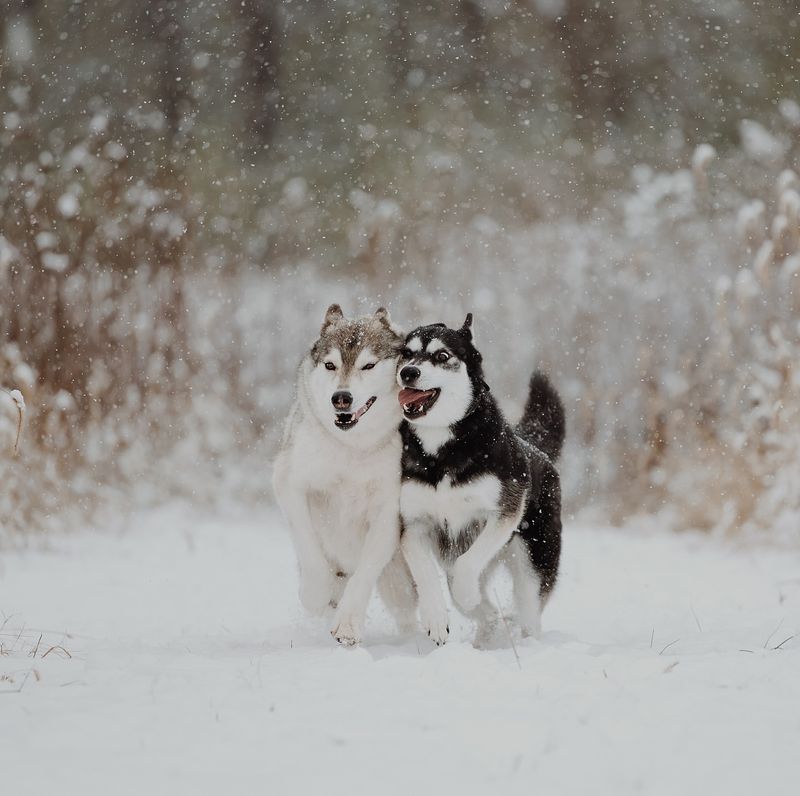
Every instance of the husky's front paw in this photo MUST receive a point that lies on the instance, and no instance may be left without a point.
(317, 591)
(346, 632)
(435, 624)
(465, 587)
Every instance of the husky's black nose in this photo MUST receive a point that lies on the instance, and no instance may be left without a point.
(409, 374)
(342, 400)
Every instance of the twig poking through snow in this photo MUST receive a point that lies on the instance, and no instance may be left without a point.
(783, 642)
(21, 685)
(508, 630)
(769, 637)
(36, 648)
(57, 648)
(667, 646)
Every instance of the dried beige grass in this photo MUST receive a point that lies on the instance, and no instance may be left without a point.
(19, 402)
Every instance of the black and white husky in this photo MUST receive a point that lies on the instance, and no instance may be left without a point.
(337, 475)
(475, 491)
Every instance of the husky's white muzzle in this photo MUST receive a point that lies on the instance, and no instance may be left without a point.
(346, 420)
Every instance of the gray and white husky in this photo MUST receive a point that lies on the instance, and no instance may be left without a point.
(337, 476)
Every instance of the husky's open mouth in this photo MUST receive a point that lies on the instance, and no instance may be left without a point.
(417, 403)
(345, 420)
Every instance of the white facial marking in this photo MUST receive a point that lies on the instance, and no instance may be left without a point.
(335, 356)
(377, 382)
(414, 344)
(455, 396)
(366, 357)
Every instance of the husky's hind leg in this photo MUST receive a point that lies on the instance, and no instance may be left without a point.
(527, 588)
(536, 550)
(489, 628)
(399, 593)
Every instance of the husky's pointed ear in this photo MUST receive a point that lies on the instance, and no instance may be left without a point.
(467, 329)
(333, 315)
(382, 316)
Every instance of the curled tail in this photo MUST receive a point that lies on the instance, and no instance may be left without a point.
(542, 422)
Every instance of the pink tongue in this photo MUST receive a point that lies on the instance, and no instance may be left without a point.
(364, 408)
(409, 396)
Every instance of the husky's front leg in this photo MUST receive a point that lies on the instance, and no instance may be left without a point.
(468, 567)
(417, 550)
(380, 544)
(318, 583)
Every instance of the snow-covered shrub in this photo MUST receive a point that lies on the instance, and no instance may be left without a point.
(160, 277)
(748, 474)
(668, 318)
(95, 326)
(704, 405)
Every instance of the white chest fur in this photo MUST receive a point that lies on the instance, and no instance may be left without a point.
(346, 488)
(433, 438)
(448, 506)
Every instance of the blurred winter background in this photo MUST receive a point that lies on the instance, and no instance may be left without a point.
(610, 187)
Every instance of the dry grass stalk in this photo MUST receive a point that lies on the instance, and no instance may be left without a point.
(508, 631)
(19, 402)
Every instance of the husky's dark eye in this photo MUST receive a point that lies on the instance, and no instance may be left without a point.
(442, 356)
(406, 353)
(330, 366)
(368, 366)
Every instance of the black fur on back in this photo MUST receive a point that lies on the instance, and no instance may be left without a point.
(542, 423)
(484, 443)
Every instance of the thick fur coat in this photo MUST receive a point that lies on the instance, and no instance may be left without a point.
(476, 492)
(337, 475)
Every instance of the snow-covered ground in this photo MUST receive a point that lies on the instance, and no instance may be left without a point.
(174, 659)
